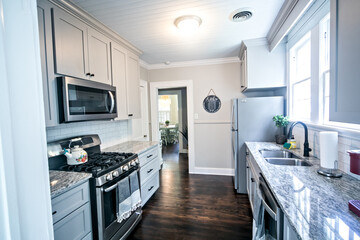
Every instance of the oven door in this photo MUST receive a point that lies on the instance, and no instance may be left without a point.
(107, 209)
(85, 100)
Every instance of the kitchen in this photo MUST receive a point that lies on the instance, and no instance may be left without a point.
(81, 52)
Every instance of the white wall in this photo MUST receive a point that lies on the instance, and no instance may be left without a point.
(345, 143)
(211, 129)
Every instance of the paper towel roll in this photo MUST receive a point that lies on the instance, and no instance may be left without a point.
(328, 149)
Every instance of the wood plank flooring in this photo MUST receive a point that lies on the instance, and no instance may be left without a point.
(193, 206)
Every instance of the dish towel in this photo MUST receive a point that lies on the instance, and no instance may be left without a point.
(124, 200)
(135, 191)
(259, 233)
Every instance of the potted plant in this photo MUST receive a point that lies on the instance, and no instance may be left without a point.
(167, 122)
(281, 122)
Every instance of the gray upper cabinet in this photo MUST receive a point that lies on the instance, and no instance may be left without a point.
(47, 63)
(345, 61)
(133, 86)
(70, 38)
(118, 60)
(260, 68)
(99, 57)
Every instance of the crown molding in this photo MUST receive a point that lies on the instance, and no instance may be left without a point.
(288, 15)
(90, 20)
(256, 42)
(192, 63)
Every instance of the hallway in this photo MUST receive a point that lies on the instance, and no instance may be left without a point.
(193, 206)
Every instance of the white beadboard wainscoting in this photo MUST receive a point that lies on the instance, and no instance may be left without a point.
(345, 143)
(110, 132)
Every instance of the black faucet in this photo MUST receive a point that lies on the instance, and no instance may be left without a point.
(306, 143)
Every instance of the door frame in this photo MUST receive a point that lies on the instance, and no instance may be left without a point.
(154, 90)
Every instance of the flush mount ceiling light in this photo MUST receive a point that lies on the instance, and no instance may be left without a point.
(188, 24)
(241, 15)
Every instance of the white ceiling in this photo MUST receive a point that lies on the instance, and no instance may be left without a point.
(149, 25)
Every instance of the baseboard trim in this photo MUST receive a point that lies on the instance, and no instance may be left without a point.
(213, 171)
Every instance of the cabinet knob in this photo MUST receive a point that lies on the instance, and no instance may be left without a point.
(242, 86)
(130, 115)
(87, 74)
(92, 75)
(252, 180)
(54, 212)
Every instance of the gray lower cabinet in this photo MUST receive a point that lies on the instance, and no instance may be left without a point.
(72, 214)
(149, 173)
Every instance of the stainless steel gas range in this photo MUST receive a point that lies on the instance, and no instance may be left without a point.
(107, 170)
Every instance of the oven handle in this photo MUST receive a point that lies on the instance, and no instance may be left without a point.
(110, 188)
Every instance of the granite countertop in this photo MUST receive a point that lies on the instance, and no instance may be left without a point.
(137, 147)
(316, 206)
(61, 181)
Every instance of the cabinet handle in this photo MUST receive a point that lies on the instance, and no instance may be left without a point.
(87, 74)
(145, 135)
(92, 75)
(149, 156)
(242, 86)
(150, 188)
(247, 153)
(54, 212)
(247, 166)
(252, 180)
(130, 115)
(150, 170)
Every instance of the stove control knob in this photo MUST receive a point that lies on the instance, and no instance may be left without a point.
(109, 177)
(115, 174)
(125, 168)
(136, 161)
(133, 163)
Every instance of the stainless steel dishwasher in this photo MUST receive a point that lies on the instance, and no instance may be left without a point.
(273, 217)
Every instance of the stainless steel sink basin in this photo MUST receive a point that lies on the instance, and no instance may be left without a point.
(288, 161)
(277, 154)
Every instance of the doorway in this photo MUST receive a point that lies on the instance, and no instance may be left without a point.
(171, 117)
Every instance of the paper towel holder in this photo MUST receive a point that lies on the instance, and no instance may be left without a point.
(330, 172)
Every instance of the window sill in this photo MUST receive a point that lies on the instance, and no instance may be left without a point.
(343, 132)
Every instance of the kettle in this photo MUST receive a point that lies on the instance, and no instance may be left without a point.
(75, 155)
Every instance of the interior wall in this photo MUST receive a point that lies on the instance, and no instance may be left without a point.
(224, 79)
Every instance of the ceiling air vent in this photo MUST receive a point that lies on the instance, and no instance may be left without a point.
(241, 15)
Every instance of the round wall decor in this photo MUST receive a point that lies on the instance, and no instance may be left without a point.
(212, 103)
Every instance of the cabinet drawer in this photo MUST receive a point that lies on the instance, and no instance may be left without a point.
(69, 201)
(75, 226)
(148, 156)
(148, 170)
(149, 188)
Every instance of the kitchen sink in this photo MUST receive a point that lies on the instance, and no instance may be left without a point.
(288, 161)
(277, 154)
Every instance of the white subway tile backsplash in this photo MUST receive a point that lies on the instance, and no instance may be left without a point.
(344, 144)
(110, 132)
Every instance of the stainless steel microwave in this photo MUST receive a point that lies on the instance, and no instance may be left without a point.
(84, 100)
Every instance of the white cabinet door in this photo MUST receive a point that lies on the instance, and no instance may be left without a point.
(118, 55)
(243, 71)
(345, 61)
(70, 39)
(133, 86)
(99, 57)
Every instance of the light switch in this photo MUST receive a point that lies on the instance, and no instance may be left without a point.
(196, 116)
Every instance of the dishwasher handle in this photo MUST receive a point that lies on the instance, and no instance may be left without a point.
(264, 191)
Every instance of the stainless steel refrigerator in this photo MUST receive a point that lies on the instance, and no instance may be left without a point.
(251, 121)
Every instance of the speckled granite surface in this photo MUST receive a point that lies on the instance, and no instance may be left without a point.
(61, 181)
(137, 147)
(316, 206)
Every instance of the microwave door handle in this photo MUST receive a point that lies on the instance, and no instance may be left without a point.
(112, 101)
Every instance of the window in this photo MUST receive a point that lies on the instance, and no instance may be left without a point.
(325, 67)
(164, 108)
(300, 78)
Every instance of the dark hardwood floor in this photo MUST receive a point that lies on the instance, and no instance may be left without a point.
(193, 206)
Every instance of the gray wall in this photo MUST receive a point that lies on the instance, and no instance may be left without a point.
(212, 130)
